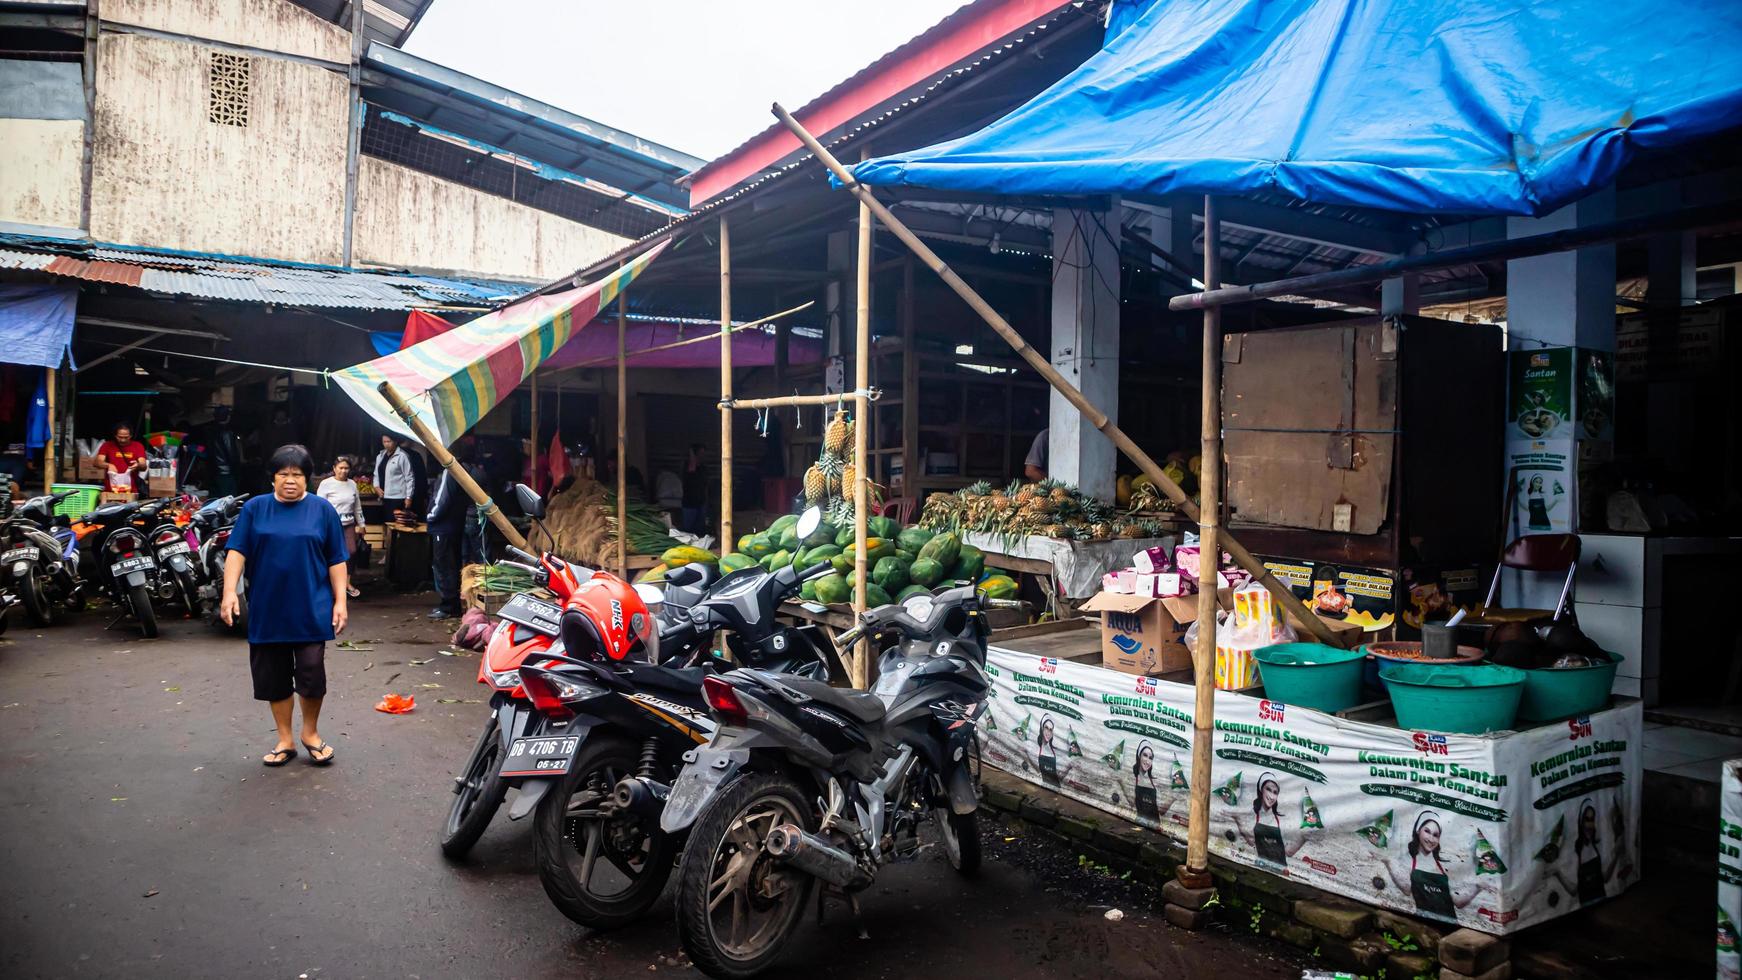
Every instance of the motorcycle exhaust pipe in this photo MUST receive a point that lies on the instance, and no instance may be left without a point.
(640, 796)
(788, 844)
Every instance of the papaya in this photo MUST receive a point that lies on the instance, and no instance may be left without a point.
(882, 527)
(912, 539)
(844, 537)
(759, 547)
(808, 590)
(684, 554)
(654, 574)
(832, 588)
(926, 572)
(777, 561)
(998, 587)
(824, 534)
(789, 540)
(876, 596)
(905, 555)
(734, 561)
(781, 525)
(744, 541)
(910, 592)
(944, 549)
(843, 563)
(877, 549)
(969, 565)
(822, 552)
(891, 574)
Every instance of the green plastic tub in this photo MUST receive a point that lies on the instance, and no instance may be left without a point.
(1311, 675)
(1551, 694)
(1468, 700)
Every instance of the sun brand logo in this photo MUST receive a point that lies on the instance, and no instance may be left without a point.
(1049, 665)
(1578, 728)
(1145, 685)
(1539, 360)
(1431, 744)
(1271, 710)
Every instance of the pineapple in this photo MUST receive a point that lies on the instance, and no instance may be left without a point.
(1100, 532)
(834, 483)
(838, 434)
(1130, 531)
(815, 485)
(849, 479)
(1059, 495)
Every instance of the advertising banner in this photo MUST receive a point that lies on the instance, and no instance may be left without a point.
(1540, 440)
(1729, 870)
(1491, 832)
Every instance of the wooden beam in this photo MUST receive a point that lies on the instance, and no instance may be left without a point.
(861, 665)
(433, 442)
(623, 441)
(1209, 559)
(726, 538)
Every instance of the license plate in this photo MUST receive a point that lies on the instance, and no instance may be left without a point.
(25, 553)
(174, 548)
(135, 564)
(540, 755)
(534, 614)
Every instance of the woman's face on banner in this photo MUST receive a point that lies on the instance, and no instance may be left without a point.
(1145, 760)
(1268, 792)
(1588, 823)
(1429, 836)
(1046, 728)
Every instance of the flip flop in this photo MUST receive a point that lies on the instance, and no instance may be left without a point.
(278, 757)
(314, 757)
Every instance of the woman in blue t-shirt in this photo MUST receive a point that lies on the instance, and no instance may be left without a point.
(293, 548)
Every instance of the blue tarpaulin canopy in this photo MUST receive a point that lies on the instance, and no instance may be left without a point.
(1420, 106)
(36, 324)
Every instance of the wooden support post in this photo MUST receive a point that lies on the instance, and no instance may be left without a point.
(909, 390)
(534, 437)
(48, 451)
(486, 506)
(623, 442)
(1209, 557)
(726, 538)
(1244, 558)
(861, 665)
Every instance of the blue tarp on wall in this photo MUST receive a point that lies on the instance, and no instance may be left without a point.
(36, 324)
(1422, 106)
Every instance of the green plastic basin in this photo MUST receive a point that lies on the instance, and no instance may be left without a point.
(1551, 694)
(1311, 675)
(1468, 700)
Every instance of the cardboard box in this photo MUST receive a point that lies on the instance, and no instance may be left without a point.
(1142, 634)
(92, 470)
(114, 498)
(160, 486)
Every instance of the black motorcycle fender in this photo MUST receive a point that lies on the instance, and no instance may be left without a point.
(959, 783)
(134, 579)
(179, 563)
(706, 770)
(532, 789)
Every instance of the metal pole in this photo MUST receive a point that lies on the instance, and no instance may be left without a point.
(486, 506)
(861, 665)
(622, 442)
(48, 451)
(1209, 559)
(534, 438)
(726, 538)
(1244, 558)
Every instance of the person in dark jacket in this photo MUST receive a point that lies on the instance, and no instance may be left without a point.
(450, 512)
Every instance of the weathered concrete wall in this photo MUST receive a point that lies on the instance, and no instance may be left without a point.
(275, 25)
(413, 220)
(39, 171)
(165, 175)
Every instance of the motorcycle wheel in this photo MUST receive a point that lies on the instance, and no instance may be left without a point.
(571, 833)
(960, 834)
(190, 593)
(735, 907)
(478, 794)
(139, 598)
(36, 604)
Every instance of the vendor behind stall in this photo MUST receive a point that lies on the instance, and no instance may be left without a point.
(124, 457)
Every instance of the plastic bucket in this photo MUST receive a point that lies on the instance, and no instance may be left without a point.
(1382, 654)
(1468, 700)
(1553, 693)
(1311, 675)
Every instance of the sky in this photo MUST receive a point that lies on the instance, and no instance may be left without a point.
(695, 75)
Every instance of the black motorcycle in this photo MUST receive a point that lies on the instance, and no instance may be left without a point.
(803, 782)
(39, 559)
(120, 561)
(614, 734)
(212, 524)
(180, 576)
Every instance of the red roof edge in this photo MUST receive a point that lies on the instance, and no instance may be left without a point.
(957, 38)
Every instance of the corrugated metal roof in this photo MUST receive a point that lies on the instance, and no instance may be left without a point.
(238, 279)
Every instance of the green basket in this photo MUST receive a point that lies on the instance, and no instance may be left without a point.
(1466, 700)
(80, 503)
(1311, 675)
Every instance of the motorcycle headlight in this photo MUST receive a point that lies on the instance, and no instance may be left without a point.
(506, 680)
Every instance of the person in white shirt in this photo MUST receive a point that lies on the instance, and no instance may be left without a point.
(1034, 466)
(393, 473)
(341, 491)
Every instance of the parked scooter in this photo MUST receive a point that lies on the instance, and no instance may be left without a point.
(885, 761)
(212, 524)
(175, 547)
(118, 557)
(39, 563)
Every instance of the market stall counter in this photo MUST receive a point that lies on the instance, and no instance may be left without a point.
(1495, 832)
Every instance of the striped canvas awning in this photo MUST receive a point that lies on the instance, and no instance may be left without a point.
(454, 379)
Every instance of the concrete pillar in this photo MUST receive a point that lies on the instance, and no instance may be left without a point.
(1671, 269)
(1399, 296)
(1085, 345)
(1566, 299)
(838, 298)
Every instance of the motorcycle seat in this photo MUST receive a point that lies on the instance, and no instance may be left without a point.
(684, 681)
(111, 510)
(862, 706)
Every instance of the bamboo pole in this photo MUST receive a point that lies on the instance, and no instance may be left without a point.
(1245, 559)
(1194, 871)
(726, 538)
(486, 506)
(861, 665)
(704, 338)
(48, 451)
(622, 441)
(788, 401)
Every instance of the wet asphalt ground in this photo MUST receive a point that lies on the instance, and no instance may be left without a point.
(140, 838)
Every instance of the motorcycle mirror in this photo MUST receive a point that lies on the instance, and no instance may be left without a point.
(808, 523)
(650, 595)
(531, 504)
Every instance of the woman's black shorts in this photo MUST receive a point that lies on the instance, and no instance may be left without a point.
(280, 668)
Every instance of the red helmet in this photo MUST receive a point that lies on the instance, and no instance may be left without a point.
(605, 620)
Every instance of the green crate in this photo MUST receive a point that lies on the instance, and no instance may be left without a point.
(80, 503)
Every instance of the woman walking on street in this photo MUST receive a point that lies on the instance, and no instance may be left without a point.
(394, 477)
(293, 549)
(341, 491)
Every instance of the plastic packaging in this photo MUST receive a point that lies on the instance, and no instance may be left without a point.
(1230, 790)
(1378, 833)
(396, 704)
(1487, 858)
(1309, 813)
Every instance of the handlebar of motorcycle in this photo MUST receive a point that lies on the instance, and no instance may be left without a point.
(523, 556)
(818, 570)
(1002, 603)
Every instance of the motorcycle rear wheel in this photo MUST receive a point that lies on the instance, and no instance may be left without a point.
(726, 875)
(139, 599)
(568, 824)
(35, 599)
(190, 593)
(478, 795)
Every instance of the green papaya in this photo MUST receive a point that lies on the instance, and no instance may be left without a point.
(969, 564)
(833, 588)
(744, 541)
(882, 527)
(808, 590)
(844, 537)
(905, 555)
(891, 574)
(734, 561)
(843, 562)
(758, 547)
(910, 592)
(789, 540)
(944, 549)
(781, 525)
(999, 587)
(926, 572)
(912, 539)
(822, 552)
(824, 534)
(777, 561)
(876, 596)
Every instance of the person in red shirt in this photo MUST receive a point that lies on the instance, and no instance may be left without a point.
(122, 454)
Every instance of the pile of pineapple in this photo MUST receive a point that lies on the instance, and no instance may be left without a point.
(828, 483)
(1048, 508)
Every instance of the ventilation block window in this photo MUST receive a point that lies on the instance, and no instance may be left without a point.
(228, 75)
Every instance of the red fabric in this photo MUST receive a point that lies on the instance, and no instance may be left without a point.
(123, 457)
(557, 460)
(421, 326)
